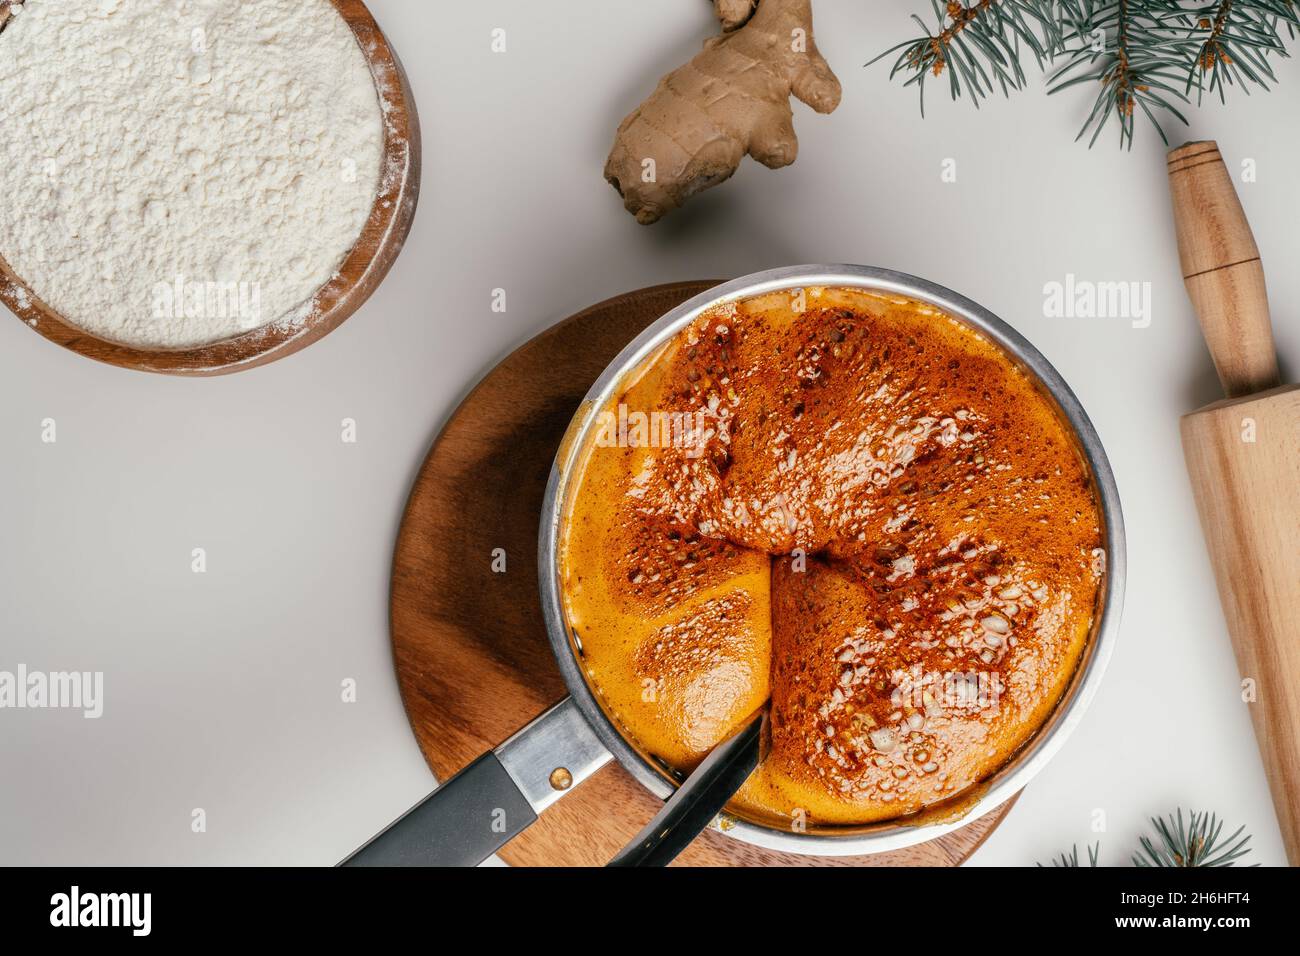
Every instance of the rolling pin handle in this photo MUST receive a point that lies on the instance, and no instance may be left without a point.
(1222, 269)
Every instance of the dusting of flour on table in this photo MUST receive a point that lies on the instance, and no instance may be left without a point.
(177, 172)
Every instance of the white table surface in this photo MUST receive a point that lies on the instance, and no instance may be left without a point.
(222, 690)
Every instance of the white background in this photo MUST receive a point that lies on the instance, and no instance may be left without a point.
(222, 690)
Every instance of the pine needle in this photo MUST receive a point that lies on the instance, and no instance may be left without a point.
(1144, 57)
(1198, 844)
(1072, 858)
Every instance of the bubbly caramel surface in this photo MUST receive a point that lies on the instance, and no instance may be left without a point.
(855, 506)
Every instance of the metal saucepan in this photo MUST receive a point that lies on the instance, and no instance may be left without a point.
(501, 793)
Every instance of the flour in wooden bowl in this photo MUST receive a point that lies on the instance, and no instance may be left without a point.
(179, 172)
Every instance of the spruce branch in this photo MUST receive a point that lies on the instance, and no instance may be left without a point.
(1196, 845)
(1236, 39)
(1144, 56)
(1134, 50)
(977, 43)
(1072, 858)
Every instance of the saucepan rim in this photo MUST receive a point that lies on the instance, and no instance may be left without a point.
(1050, 736)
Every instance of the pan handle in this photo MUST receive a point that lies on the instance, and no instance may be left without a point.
(495, 798)
(462, 823)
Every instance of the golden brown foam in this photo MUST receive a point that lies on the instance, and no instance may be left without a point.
(883, 524)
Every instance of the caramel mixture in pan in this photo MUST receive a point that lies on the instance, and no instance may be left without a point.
(856, 506)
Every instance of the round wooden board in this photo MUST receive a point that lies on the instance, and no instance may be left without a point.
(470, 648)
(360, 274)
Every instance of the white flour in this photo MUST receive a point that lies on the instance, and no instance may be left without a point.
(176, 172)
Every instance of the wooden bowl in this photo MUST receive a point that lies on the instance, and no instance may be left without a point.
(360, 274)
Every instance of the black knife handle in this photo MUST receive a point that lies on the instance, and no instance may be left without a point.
(698, 800)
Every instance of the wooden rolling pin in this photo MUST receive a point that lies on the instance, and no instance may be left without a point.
(1243, 454)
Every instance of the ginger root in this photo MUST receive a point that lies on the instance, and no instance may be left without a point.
(733, 98)
(732, 14)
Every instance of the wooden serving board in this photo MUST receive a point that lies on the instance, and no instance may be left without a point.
(470, 648)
